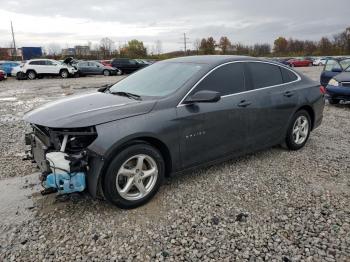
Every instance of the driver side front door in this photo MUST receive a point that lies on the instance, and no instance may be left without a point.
(213, 130)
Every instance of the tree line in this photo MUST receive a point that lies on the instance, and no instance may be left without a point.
(338, 45)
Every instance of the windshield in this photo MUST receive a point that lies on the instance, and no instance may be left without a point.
(160, 79)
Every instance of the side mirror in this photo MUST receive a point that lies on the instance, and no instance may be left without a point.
(337, 70)
(204, 96)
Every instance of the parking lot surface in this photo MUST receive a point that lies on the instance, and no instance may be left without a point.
(273, 205)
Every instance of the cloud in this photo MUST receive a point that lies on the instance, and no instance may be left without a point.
(70, 22)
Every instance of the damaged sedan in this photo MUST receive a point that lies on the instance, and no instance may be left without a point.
(120, 142)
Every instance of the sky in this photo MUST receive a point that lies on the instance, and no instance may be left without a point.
(76, 22)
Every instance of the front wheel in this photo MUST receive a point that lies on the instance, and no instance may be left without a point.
(134, 176)
(106, 73)
(299, 130)
(64, 74)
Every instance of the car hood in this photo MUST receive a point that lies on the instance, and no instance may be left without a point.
(343, 77)
(87, 110)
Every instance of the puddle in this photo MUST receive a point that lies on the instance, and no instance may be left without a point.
(8, 99)
(16, 199)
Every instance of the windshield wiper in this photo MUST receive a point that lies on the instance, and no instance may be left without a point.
(127, 94)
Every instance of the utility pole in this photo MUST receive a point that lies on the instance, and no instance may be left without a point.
(14, 53)
(185, 43)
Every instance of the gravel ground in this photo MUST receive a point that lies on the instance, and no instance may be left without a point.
(274, 205)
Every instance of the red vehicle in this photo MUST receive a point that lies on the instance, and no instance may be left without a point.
(3, 75)
(299, 62)
(106, 62)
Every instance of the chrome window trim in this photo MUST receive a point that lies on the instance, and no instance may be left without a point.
(248, 91)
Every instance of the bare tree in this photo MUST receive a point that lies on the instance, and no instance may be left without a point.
(158, 47)
(54, 49)
(106, 46)
(197, 45)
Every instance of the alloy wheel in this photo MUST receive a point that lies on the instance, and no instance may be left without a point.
(300, 130)
(137, 177)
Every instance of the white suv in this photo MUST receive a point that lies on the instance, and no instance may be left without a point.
(39, 67)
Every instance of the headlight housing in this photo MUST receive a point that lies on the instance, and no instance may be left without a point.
(333, 82)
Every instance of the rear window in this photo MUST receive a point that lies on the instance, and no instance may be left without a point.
(287, 75)
(264, 75)
(332, 65)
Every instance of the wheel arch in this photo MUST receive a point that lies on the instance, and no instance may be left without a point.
(96, 189)
(311, 113)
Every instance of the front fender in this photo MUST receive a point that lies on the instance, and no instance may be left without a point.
(112, 136)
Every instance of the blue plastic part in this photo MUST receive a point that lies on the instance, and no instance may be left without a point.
(66, 183)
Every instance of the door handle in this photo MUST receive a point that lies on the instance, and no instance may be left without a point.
(244, 103)
(288, 93)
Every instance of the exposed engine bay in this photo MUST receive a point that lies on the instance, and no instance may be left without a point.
(62, 157)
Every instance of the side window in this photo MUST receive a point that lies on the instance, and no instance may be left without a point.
(332, 65)
(132, 62)
(264, 75)
(287, 75)
(226, 80)
(34, 63)
(48, 62)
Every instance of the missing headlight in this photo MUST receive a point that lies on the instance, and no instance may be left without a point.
(78, 138)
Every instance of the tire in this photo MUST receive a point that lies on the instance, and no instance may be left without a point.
(106, 73)
(333, 101)
(31, 75)
(116, 181)
(292, 141)
(64, 73)
(310, 64)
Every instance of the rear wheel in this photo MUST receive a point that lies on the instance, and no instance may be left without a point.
(134, 176)
(333, 101)
(299, 130)
(106, 73)
(31, 75)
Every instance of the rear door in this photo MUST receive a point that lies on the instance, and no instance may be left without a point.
(272, 103)
(39, 66)
(214, 130)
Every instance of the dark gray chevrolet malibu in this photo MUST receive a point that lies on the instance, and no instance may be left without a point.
(122, 140)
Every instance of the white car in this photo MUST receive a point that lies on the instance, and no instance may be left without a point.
(39, 67)
(319, 62)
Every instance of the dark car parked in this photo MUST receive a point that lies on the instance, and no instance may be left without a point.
(333, 67)
(193, 111)
(127, 66)
(338, 87)
(95, 68)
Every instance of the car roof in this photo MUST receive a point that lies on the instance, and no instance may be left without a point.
(214, 59)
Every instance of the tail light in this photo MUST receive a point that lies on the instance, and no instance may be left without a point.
(323, 90)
